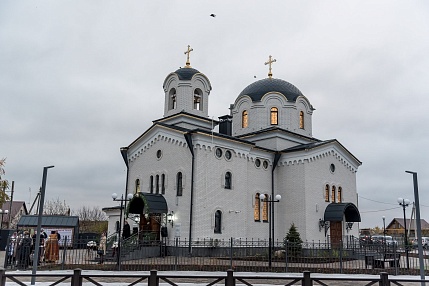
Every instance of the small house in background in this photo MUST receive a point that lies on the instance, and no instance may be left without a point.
(113, 215)
(15, 210)
(66, 226)
(397, 227)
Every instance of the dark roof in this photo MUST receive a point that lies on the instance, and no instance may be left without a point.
(336, 211)
(424, 224)
(16, 206)
(186, 73)
(150, 203)
(317, 144)
(276, 129)
(49, 221)
(261, 87)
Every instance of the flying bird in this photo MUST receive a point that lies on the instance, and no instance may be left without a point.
(213, 15)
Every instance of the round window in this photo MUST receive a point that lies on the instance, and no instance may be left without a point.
(265, 164)
(332, 168)
(158, 154)
(218, 152)
(258, 163)
(228, 154)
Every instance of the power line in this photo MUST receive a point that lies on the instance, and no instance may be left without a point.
(376, 201)
(380, 210)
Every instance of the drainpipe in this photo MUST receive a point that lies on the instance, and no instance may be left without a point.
(188, 138)
(124, 153)
(277, 156)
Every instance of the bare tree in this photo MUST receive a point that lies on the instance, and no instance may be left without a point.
(4, 184)
(56, 207)
(91, 219)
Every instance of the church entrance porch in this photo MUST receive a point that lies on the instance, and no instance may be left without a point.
(335, 214)
(151, 208)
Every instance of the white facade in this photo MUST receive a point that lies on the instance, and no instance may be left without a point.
(267, 138)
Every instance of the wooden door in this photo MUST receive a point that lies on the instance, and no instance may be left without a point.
(336, 233)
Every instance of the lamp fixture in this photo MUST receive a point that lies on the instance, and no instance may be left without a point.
(170, 218)
(349, 225)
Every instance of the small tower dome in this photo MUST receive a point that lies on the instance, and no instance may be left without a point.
(186, 90)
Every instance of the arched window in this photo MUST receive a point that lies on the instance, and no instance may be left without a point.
(228, 179)
(179, 184)
(163, 184)
(340, 195)
(257, 210)
(137, 186)
(157, 184)
(327, 193)
(151, 184)
(198, 99)
(274, 116)
(265, 209)
(301, 119)
(218, 222)
(244, 119)
(172, 99)
(333, 194)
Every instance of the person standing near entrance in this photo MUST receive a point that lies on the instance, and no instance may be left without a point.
(126, 232)
(102, 247)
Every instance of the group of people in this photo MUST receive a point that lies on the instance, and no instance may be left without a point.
(21, 246)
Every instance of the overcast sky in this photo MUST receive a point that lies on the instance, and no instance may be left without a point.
(80, 79)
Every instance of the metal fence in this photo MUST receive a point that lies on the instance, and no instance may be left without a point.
(350, 256)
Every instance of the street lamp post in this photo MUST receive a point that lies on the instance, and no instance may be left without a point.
(384, 236)
(277, 199)
(118, 249)
(404, 203)
(2, 212)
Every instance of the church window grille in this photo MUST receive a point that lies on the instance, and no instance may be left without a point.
(163, 184)
(333, 194)
(265, 209)
(218, 222)
(301, 119)
(340, 194)
(257, 210)
(151, 184)
(137, 186)
(228, 155)
(172, 99)
(218, 152)
(179, 184)
(327, 193)
(228, 179)
(265, 164)
(274, 116)
(198, 97)
(244, 119)
(157, 184)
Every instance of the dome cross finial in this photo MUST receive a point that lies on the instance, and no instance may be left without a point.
(188, 52)
(270, 61)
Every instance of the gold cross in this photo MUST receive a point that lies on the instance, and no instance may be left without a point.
(270, 61)
(188, 52)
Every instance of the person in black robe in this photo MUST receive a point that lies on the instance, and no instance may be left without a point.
(126, 232)
(25, 251)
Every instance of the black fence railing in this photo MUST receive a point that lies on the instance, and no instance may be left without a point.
(228, 278)
(143, 254)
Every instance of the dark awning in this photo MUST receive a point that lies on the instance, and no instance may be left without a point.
(335, 212)
(145, 203)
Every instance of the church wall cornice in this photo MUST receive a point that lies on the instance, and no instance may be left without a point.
(287, 160)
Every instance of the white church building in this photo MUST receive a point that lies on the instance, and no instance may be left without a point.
(192, 182)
